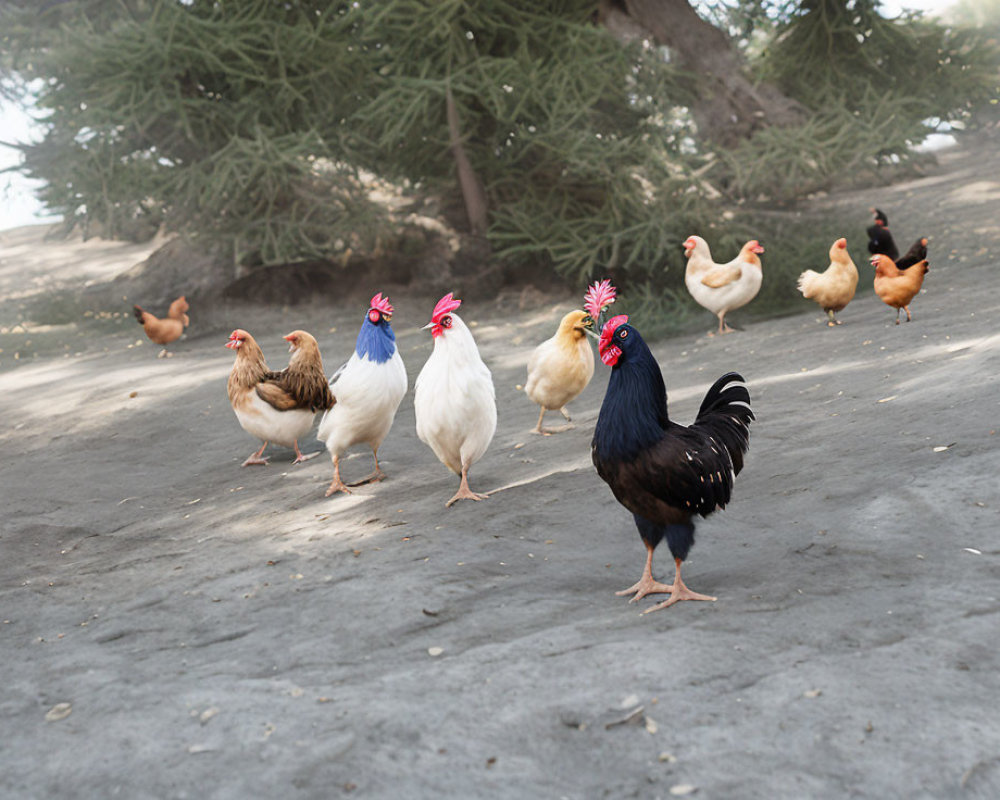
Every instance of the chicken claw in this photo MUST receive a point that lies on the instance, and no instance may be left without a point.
(257, 458)
(464, 492)
(679, 592)
(337, 485)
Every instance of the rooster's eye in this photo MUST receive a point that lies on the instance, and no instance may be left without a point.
(446, 322)
(373, 316)
(623, 334)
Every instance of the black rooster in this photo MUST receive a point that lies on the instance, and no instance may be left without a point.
(665, 473)
(880, 241)
(916, 254)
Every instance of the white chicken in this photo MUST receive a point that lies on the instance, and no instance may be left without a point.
(722, 287)
(454, 399)
(367, 392)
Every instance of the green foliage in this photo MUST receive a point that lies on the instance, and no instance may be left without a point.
(876, 87)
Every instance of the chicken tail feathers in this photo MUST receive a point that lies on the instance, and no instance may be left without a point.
(138, 314)
(805, 282)
(725, 415)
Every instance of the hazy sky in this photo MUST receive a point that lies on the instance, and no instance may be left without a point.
(18, 205)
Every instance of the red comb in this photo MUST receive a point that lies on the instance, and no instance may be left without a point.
(610, 327)
(380, 303)
(600, 295)
(445, 305)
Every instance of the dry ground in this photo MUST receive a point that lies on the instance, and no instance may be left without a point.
(229, 633)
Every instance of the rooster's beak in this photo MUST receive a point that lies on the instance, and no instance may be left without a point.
(428, 326)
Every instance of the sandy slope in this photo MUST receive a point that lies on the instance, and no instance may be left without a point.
(230, 633)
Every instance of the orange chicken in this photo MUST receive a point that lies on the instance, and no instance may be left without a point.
(833, 288)
(164, 331)
(896, 287)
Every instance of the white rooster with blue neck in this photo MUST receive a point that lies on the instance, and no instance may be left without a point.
(367, 391)
(454, 400)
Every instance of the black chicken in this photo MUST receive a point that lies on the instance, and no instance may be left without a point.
(880, 241)
(665, 473)
(916, 254)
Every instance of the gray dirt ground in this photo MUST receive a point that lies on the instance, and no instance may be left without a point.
(230, 633)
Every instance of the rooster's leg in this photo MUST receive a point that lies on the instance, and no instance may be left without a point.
(646, 584)
(299, 457)
(256, 458)
(464, 492)
(679, 592)
(337, 485)
(538, 427)
(377, 475)
(907, 310)
(833, 320)
(897, 316)
(565, 414)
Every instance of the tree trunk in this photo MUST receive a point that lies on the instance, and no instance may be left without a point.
(472, 188)
(730, 108)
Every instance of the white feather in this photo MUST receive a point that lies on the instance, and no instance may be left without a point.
(454, 399)
(264, 421)
(368, 395)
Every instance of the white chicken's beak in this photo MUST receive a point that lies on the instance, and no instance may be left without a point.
(428, 326)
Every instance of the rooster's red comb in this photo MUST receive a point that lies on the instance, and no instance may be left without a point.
(598, 296)
(380, 303)
(445, 305)
(611, 326)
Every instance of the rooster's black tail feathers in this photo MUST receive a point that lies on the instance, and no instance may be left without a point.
(725, 414)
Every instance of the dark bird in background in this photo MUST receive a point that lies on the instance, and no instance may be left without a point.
(880, 240)
(663, 472)
(916, 254)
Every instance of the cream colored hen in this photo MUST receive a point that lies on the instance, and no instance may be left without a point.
(560, 368)
(833, 288)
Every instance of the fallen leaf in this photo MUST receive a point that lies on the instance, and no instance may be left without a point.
(59, 711)
(651, 726)
(683, 789)
(943, 447)
(435, 651)
(973, 550)
(668, 758)
(812, 693)
(207, 714)
(887, 399)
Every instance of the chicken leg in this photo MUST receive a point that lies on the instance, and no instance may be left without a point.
(377, 475)
(257, 458)
(646, 584)
(464, 492)
(833, 320)
(723, 326)
(678, 591)
(299, 457)
(548, 431)
(337, 485)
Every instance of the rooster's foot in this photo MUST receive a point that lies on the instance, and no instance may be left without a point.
(256, 460)
(678, 593)
(465, 493)
(645, 585)
(337, 485)
(305, 457)
(565, 414)
(376, 476)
